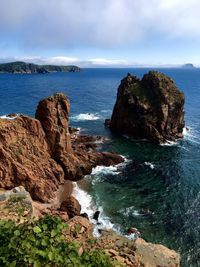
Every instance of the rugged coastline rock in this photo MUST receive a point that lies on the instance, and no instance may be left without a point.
(39, 159)
(25, 159)
(40, 154)
(151, 108)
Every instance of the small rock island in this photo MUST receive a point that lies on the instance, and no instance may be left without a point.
(29, 68)
(151, 108)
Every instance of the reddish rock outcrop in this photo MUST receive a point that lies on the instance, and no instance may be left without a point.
(71, 206)
(76, 155)
(40, 154)
(150, 108)
(25, 158)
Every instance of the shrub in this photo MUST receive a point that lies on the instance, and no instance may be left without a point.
(42, 243)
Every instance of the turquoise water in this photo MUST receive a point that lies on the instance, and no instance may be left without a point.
(163, 179)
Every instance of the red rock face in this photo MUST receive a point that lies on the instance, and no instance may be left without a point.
(25, 158)
(151, 108)
(41, 154)
(53, 113)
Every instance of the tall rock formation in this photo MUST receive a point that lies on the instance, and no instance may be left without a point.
(41, 154)
(150, 108)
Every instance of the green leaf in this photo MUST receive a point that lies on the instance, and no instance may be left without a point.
(13, 264)
(37, 264)
(37, 230)
(54, 233)
(44, 227)
(16, 233)
(50, 256)
(44, 243)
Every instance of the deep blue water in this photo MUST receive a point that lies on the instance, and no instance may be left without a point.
(163, 179)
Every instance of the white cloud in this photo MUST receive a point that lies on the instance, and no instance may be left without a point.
(97, 23)
(62, 60)
(108, 62)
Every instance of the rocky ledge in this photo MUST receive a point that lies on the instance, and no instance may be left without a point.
(151, 108)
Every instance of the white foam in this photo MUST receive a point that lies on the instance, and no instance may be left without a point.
(7, 117)
(87, 204)
(169, 143)
(130, 211)
(86, 117)
(190, 135)
(151, 165)
(104, 170)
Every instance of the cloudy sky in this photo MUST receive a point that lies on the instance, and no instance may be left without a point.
(100, 32)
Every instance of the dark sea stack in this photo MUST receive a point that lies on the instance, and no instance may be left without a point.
(151, 108)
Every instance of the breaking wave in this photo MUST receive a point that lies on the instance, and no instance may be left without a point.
(86, 117)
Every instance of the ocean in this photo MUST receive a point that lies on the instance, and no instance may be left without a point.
(157, 189)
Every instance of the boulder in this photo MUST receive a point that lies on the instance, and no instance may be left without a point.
(153, 255)
(71, 206)
(150, 108)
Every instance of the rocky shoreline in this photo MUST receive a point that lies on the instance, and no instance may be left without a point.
(40, 158)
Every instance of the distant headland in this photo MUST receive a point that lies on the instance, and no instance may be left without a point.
(28, 68)
(188, 66)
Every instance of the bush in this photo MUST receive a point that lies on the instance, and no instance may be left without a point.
(42, 243)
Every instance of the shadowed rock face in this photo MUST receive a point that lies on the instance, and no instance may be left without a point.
(150, 108)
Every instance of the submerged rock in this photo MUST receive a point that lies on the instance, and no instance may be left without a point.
(150, 108)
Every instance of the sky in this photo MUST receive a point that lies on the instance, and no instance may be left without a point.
(100, 33)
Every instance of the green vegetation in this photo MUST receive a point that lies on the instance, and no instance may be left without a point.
(43, 243)
(142, 94)
(22, 67)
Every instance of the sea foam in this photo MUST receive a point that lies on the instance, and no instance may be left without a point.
(151, 165)
(86, 117)
(7, 117)
(90, 207)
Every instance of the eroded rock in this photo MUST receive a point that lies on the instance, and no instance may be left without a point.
(25, 158)
(71, 206)
(150, 108)
(153, 255)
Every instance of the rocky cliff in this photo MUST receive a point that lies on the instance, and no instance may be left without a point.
(41, 154)
(151, 108)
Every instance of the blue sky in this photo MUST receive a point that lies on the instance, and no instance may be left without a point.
(100, 32)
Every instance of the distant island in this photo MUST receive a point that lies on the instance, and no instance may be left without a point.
(188, 66)
(28, 68)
